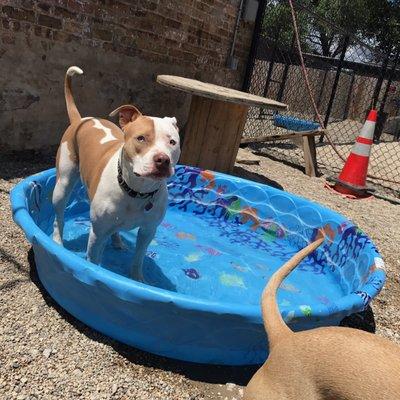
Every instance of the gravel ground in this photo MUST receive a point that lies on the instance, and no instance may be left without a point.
(47, 354)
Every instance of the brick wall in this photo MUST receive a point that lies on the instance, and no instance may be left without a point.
(121, 46)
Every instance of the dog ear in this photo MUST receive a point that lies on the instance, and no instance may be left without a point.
(174, 122)
(127, 113)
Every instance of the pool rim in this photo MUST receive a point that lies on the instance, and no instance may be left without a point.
(119, 283)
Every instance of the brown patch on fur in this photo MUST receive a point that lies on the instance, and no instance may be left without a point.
(93, 155)
(83, 141)
(142, 126)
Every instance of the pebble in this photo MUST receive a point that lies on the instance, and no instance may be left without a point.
(47, 352)
(15, 364)
(230, 386)
(77, 371)
(114, 388)
(34, 353)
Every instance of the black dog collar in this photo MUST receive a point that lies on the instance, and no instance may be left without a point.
(129, 190)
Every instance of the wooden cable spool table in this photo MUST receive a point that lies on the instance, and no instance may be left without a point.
(216, 120)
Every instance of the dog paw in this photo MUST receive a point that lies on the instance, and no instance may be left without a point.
(57, 238)
(137, 275)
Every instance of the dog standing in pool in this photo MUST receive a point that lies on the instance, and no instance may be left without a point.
(124, 170)
(325, 363)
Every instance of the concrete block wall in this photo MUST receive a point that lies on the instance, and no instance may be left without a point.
(121, 45)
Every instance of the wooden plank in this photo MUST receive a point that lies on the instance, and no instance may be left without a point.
(214, 134)
(313, 151)
(239, 115)
(218, 92)
(272, 138)
(310, 155)
(195, 131)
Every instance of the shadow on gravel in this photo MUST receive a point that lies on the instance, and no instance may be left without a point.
(258, 150)
(253, 176)
(196, 372)
(364, 320)
(6, 256)
(23, 163)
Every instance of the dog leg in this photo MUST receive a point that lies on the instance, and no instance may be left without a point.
(145, 236)
(68, 174)
(117, 242)
(96, 244)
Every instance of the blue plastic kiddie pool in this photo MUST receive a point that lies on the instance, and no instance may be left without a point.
(221, 240)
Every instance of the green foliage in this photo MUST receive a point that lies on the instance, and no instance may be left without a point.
(384, 24)
(323, 30)
(278, 26)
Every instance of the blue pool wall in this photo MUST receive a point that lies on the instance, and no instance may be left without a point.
(207, 331)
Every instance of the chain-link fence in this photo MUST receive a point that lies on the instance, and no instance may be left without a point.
(349, 72)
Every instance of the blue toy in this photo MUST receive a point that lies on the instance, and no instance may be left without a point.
(221, 240)
(294, 124)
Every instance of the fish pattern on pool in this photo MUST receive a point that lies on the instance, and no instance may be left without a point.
(221, 241)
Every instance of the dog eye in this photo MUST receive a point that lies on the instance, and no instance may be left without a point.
(141, 138)
(172, 142)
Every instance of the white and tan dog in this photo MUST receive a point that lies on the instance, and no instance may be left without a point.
(124, 171)
(324, 363)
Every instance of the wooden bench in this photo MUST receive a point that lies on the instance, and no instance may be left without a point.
(307, 143)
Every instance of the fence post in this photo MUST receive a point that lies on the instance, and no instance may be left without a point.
(321, 91)
(382, 116)
(335, 84)
(270, 68)
(285, 72)
(379, 81)
(254, 45)
(350, 92)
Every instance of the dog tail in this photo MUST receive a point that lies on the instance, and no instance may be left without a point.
(73, 112)
(274, 324)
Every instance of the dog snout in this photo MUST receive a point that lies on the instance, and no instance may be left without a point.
(161, 160)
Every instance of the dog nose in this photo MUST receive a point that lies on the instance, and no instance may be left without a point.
(161, 160)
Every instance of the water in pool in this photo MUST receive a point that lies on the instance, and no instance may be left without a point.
(201, 256)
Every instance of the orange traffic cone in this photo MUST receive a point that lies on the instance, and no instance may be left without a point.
(352, 179)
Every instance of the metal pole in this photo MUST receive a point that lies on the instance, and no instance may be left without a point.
(240, 11)
(321, 91)
(390, 80)
(269, 73)
(270, 70)
(268, 80)
(382, 116)
(271, 63)
(335, 84)
(285, 72)
(254, 45)
(346, 109)
(379, 82)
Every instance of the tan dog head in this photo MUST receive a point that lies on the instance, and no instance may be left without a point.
(152, 145)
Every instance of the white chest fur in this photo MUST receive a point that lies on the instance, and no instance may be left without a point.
(116, 210)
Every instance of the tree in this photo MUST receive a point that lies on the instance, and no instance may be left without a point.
(384, 26)
(324, 24)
